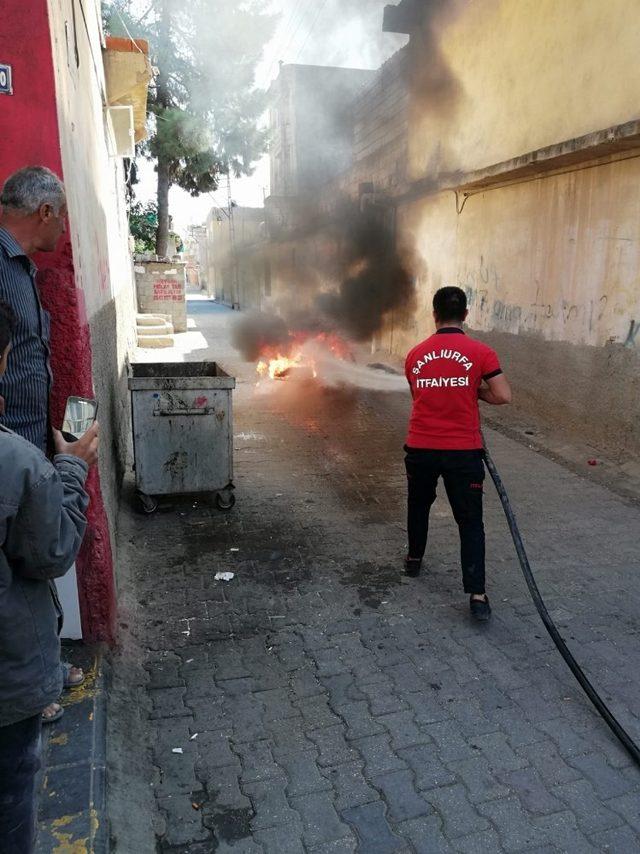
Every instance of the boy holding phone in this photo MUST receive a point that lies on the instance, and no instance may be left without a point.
(42, 524)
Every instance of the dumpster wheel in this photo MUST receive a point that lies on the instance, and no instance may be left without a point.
(225, 500)
(146, 504)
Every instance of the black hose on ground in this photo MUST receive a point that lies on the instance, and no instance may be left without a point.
(564, 651)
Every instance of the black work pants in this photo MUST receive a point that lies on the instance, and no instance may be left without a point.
(463, 476)
(19, 764)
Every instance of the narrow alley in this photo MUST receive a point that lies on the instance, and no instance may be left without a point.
(320, 701)
(219, 630)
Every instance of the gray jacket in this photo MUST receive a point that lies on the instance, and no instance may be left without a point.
(41, 528)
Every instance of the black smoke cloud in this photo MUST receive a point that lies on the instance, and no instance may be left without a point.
(432, 82)
(255, 333)
(377, 278)
(370, 277)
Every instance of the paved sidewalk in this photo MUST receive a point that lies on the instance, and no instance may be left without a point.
(72, 794)
(321, 702)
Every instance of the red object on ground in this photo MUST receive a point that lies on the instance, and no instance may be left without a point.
(29, 137)
(592, 462)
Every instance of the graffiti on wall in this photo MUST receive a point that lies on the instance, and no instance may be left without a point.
(484, 288)
(633, 337)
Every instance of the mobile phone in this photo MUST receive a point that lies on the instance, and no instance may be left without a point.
(79, 415)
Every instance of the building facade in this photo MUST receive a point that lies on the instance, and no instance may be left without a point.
(58, 116)
(311, 125)
(236, 260)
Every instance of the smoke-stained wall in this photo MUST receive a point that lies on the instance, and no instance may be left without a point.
(311, 125)
(379, 118)
(494, 79)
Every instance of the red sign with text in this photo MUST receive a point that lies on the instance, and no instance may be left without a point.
(167, 290)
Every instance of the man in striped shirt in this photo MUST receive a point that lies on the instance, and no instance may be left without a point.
(32, 219)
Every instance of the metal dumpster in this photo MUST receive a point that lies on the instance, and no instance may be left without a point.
(182, 430)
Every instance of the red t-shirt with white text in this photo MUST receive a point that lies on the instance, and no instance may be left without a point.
(445, 373)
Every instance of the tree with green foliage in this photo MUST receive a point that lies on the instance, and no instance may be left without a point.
(143, 225)
(204, 107)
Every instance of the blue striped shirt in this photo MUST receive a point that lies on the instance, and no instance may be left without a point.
(27, 383)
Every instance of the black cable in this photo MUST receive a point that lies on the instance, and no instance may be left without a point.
(564, 651)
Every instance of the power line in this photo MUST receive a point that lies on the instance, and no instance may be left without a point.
(217, 206)
(126, 29)
(278, 39)
(313, 26)
(289, 25)
(284, 31)
(284, 46)
(294, 33)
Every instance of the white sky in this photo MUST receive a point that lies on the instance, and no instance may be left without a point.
(346, 33)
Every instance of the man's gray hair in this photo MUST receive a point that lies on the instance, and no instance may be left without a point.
(28, 189)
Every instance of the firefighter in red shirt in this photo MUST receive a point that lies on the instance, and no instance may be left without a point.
(448, 373)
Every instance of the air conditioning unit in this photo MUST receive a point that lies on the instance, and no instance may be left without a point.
(121, 131)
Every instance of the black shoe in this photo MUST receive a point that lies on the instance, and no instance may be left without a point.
(412, 566)
(480, 610)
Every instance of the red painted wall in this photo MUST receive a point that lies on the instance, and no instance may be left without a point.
(29, 136)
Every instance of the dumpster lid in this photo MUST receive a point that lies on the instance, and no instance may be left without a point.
(170, 376)
(158, 370)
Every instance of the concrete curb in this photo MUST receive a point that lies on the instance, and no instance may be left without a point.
(72, 814)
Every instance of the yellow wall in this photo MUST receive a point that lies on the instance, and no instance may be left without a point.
(558, 257)
(531, 73)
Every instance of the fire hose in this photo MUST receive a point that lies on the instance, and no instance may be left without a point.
(550, 626)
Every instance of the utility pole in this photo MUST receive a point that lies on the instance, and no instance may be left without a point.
(232, 244)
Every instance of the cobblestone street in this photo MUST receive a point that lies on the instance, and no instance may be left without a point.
(320, 701)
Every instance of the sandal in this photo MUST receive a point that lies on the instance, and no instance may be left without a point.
(56, 714)
(68, 680)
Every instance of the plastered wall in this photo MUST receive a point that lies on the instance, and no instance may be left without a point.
(510, 76)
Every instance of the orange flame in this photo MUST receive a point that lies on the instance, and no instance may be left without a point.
(278, 366)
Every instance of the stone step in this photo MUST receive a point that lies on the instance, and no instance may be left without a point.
(152, 319)
(159, 329)
(155, 341)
